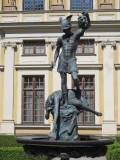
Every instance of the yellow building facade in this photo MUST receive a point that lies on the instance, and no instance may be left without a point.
(28, 33)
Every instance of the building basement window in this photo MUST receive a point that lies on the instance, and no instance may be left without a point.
(33, 88)
(34, 47)
(33, 5)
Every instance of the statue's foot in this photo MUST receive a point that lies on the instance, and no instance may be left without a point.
(99, 114)
(53, 135)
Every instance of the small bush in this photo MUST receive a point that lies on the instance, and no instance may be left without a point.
(8, 141)
(17, 153)
(115, 154)
(112, 149)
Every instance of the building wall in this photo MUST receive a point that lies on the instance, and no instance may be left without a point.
(18, 25)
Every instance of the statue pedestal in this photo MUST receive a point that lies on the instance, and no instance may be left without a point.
(57, 6)
(10, 8)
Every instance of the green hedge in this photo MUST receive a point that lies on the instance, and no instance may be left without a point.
(113, 152)
(17, 153)
(9, 141)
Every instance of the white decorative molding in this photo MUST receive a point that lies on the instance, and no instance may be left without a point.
(109, 127)
(32, 66)
(55, 18)
(108, 42)
(9, 44)
(32, 19)
(7, 127)
(9, 19)
(106, 17)
(90, 66)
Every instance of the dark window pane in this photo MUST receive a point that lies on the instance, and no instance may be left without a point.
(82, 4)
(30, 5)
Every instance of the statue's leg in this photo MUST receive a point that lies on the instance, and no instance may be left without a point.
(76, 82)
(64, 87)
(83, 106)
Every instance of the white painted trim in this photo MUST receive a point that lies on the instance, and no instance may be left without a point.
(90, 66)
(32, 66)
(108, 83)
(8, 83)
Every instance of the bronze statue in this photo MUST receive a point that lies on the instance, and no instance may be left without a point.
(66, 114)
(67, 59)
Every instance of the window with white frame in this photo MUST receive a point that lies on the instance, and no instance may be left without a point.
(85, 46)
(33, 99)
(34, 47)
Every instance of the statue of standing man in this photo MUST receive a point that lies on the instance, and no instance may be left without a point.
(67, 59)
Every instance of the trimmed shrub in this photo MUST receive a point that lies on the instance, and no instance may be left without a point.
(17, 153)
(9, 141)
(115, 154)
(112, 150)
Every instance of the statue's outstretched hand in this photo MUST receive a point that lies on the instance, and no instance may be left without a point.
(52, 65)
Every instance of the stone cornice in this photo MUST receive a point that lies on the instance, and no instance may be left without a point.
(108, 25)
(90, 66)
(59, 11)
(32, 66)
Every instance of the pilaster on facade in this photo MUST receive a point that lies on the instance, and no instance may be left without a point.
(47, 3)
(108, 71)
(7, 125)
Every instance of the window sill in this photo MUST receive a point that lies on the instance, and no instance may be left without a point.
(85, 54)
(89, 127)
(31, 55)
(30, 126)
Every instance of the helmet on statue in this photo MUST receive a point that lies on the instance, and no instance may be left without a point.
(65, 23)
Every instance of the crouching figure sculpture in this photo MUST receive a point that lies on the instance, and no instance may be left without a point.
(65, 116)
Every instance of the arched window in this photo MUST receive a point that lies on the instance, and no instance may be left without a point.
(82, 4)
